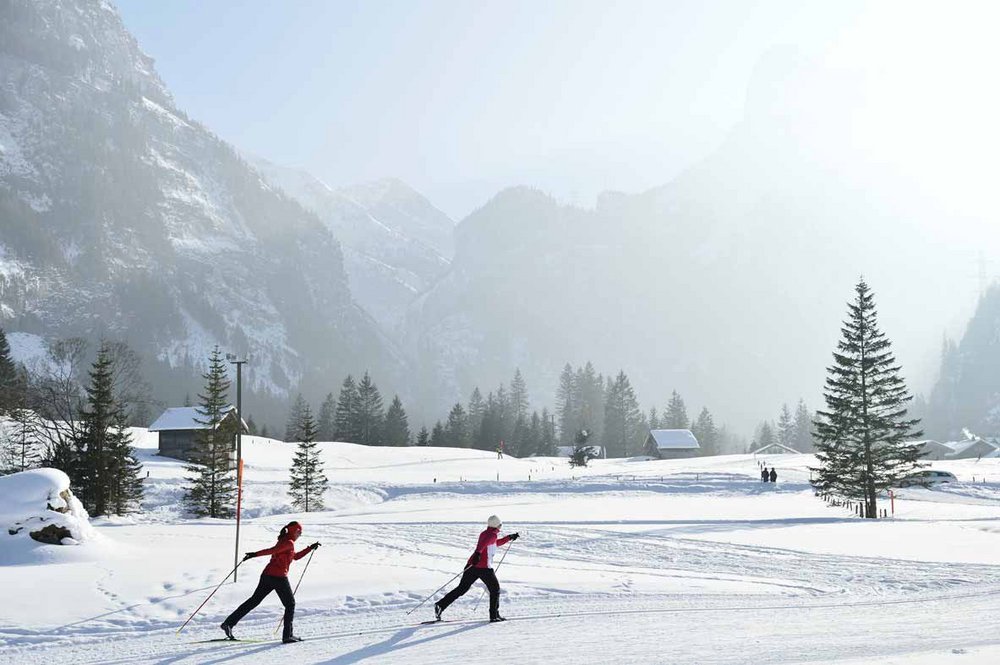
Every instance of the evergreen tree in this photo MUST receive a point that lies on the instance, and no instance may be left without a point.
(24, 447)
(93, 469)
(654, 418)
(345, 416)
(251, 426)
(705, 431)
(622, 419)
(263, 431)
(765, 434)
(476, 411)
(307, 483)
(125, 471)
(456, 431)
(518, 397)
(786, 427)
(582, 451)
(438, 438)
(211, 491)
(396, 431)
(519, 445)
(590, 397)
(547, 443)
(423, 437)
(10, 386)
(803, 428)
(294, 420)
(326, 428)
(532, 443)
(861, 436)
(566, 406)
(676, 417)
(370, 414)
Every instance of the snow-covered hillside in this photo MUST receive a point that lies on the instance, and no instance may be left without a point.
(630, 561)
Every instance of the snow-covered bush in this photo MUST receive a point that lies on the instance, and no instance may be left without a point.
(39, 504)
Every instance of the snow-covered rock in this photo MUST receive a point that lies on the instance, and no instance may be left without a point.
(39, 504)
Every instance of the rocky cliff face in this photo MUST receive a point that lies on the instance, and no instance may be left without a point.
(121, 215)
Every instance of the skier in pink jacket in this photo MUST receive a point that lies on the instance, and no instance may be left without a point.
(480, 567)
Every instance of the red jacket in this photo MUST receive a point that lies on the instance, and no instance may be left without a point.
(281, 557)
(487, 545)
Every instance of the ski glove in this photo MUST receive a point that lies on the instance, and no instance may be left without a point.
(514, 536)
(314, 546)
(249, 555)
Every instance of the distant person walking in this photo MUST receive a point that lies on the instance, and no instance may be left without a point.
(480, 567)
(500, 450)
(274, 578)
(763, 475)
(774, 475)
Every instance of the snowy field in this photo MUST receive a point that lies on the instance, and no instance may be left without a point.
(687, 561)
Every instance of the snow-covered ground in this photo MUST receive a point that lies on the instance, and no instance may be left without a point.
(687, 561)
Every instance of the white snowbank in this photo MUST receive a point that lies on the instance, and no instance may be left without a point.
(31, 501)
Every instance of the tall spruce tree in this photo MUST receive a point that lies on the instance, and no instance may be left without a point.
(803, 428)
(786, 427)
(125, 488)
(438, 437)
(654, 418)
(547, 443)
(211, 491)
(765, 434)
(294, 420)
(590, 398)
(326, 427)
(476, 411)
(370, 414)
(423, 437)
(676, 416)
(623, 432)
(9, 378)
(862, 435)
(567, 408)
(706, 432)
(518, 397)
(308, 482)
(345, 416)
(456, 430)
(396, 430)
(92, 472)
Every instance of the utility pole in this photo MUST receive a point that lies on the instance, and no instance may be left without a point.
(234, 360)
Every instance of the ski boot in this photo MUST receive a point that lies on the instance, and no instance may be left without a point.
(291, 639)
(437, 611)
(496, 618)
(228, 630)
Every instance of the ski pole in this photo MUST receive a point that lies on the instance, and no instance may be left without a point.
(439, 589)
(209, 597)
(296, 589)
(499, 563)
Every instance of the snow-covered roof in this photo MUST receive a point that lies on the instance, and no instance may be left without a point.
(961, 446)
(674, 439)
(775, 449)
(183, 418)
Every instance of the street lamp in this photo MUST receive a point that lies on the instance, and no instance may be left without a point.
(234, 360)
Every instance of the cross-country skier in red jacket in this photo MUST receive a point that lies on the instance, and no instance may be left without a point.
(274, 578)
(480, 567)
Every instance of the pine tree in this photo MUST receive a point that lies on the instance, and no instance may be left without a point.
(566, 406)
(705, 431)
(803, 428)
(765, 434)
(476, 411)
(263, 431)
(126, 490)
(370, 414)
(456, 431)
(654, 418)
(861, 436)
(251, 426)
(9, 378)
(396, 431)
(518, 397)
(438, 437)
(622, 419)
(307, 483)
(212, 484)
(547, 444)
(345, 416)
(93, 470)
(294, 420)
(326, 428)
(423, 437)
(532, 443)
(676, 417)
(786, 427)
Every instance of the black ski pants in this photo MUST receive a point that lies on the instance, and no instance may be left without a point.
(267, 584)
(488, 577)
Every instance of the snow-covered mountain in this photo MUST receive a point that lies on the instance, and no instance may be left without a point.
(121, 215)
(395, 242)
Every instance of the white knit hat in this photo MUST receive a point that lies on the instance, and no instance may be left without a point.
(493, 521)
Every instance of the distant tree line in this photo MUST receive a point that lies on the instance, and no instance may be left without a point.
(793, 431)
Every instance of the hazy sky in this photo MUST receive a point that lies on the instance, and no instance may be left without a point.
(461, 99)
